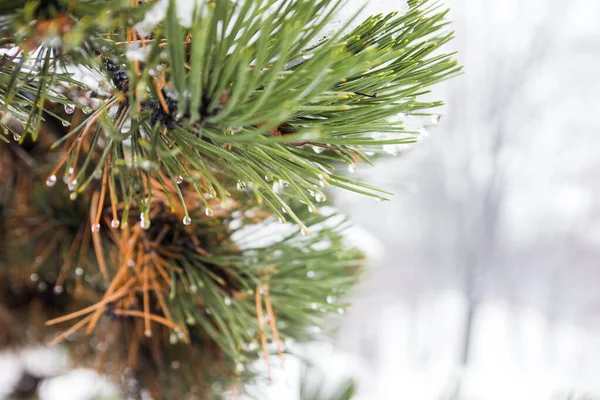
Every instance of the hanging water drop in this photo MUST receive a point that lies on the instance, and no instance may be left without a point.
(73, 185)
(227, 301)
(391, 149)
(65, 123)
(115, 223)
(315, 329)
(51, 181)
(351, 168)
(330, 299)
(78, 271)
(312, 209)
(73, 196)
(208, 212)
(96, 228)
(340, 310)
(144, 222)
(58, 289)
(16, 137)
(241, 186)
(97, 174)
(284, 183)
(310, 274)
(87, 110)
(173, 338)
(148, 333)
(314, 306)
(305, 231)
(179, 179)
(282, 220)
(69, 109)
(187, 220)
(193, 288)
(318, 149)
(239, 368)
(34, 277)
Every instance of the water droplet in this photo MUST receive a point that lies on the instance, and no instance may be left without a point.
(175, 365)
(208, 212)
(73, 196)
(65, 123)
(187, 220)
(227, 301)
(239, 368)
(69, 108)
(148, 333)
(96, 228)
(314, 306)
(73, 185)
(318, 149)
(179, 179)
(305, 231)
(42, 286)
(78, 271)
(283, 210)
(341, 311)
(208, 312)
(146, 165)
(193, 288)
(282, 220)
(312, 209)
(267, 179)
(130, 263)
(71, 170)
(311, 274)
(115, 223)
(319, 197)
(173, 338)
(144, 222)
(252, 346)
(190, 320)
(34, 277)
(241, 186)
(330, 299)
(16, 137)
(51, 181)
(284, 183)
(392, 149)
(315, 329)
(435, 119)
(87, 110)
(58, 289)
(322, 184)
(351, 168)
(97, 174)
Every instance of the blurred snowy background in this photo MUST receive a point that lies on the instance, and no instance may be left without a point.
(484, 280)
(485, 285)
